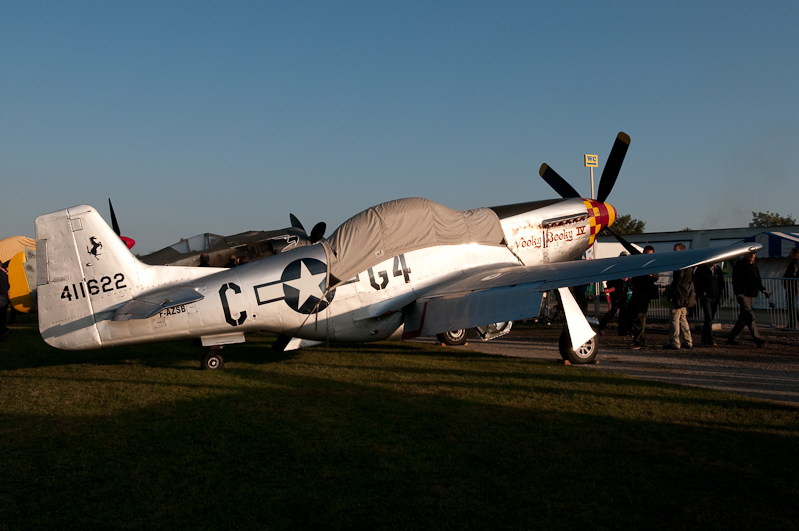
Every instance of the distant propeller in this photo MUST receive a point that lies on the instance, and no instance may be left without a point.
(114, 223)
(130, 242)
(296, 222)
(318, 232)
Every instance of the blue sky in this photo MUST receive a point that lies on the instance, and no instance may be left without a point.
(224, 117)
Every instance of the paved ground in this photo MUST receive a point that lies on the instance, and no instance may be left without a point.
(771, 372)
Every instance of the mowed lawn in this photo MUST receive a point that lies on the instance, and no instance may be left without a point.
(380, 436)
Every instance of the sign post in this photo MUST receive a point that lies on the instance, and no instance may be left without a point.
(591, 162)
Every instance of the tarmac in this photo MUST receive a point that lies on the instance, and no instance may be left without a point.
(770, 373)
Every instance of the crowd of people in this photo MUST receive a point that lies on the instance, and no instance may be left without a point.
(703, 285)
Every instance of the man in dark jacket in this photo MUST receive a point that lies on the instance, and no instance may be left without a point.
(746, 284)
(681, 297)
(791, 284)
(617, 293)
(644, 290)
(709, 284)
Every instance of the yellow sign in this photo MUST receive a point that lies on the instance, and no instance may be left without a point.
(591, 161)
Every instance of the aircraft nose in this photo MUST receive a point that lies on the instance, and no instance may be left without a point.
(601, 215)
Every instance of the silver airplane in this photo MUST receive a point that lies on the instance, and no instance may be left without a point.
(402, 269)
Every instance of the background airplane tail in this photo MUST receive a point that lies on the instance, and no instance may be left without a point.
(83, 269)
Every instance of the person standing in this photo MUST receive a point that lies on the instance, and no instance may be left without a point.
(617, 293)
(791, 284)
(709, 284)
(746, 285)
(644, 290)
(681, 297)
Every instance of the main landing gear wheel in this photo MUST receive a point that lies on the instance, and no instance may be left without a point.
(584, 354)
(212, 361)
(453, 338)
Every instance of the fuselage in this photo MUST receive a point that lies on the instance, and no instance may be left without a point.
(288, 293)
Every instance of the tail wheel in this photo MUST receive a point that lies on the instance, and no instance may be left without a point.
(212, 361)
(453, 338)
(585, 353)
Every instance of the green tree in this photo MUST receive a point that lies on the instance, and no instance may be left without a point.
(627, 224)
(769, 219)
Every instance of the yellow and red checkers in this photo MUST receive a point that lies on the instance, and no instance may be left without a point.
(600, 215)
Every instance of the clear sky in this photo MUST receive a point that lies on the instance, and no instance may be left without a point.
(226, 116)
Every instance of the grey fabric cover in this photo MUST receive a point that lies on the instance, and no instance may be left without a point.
(401, 226)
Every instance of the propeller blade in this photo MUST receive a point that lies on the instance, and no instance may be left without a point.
(114, 223)
(557, 182)
(612, 167)
(296, 223)
(627, 245)
(318, 232)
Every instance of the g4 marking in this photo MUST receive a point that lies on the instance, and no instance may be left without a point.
(400, 269)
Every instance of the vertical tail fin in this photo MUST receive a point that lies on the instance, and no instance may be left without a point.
(83, 270)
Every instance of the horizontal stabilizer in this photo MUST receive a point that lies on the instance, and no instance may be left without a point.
(147, 304)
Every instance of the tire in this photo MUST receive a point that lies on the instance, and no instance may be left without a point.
(453, 338)
(212, 361)
(585, 354)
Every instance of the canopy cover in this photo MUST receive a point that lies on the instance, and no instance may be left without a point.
(401, 226)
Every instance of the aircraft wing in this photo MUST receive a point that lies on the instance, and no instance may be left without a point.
(507, 293)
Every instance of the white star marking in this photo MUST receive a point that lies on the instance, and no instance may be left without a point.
(307, 284)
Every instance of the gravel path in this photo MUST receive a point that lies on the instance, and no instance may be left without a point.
(770, 373)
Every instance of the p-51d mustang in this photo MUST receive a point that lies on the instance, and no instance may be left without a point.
(401, 269)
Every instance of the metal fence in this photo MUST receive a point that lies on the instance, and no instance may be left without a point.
(771, 312)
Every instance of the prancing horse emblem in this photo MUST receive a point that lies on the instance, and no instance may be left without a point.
(95, 246)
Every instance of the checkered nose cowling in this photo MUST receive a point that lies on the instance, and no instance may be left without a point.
(600, 215)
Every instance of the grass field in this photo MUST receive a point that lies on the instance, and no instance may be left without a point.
(383, 436)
